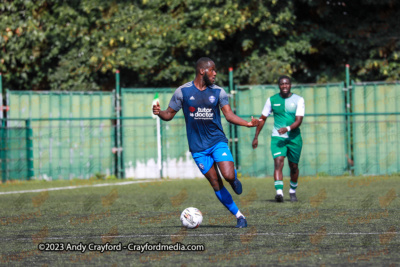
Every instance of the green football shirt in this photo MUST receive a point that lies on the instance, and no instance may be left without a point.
(285, 111)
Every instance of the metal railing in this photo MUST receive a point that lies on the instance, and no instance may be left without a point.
(69, 135)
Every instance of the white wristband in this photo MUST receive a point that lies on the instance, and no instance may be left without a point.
(288, 128)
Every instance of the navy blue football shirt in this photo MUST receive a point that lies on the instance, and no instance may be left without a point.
(202, 114)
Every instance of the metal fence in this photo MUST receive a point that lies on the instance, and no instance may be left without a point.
(323, 132)
(139, 134)
(65, 135)
(375, 126)
(71, 134)
(15, 153)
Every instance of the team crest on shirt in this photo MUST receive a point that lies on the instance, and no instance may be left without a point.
(201, 166)
(212, 99)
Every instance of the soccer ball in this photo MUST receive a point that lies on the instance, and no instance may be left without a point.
(191, 218)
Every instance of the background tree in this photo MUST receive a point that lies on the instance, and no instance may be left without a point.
(78, 45)
(362, 33)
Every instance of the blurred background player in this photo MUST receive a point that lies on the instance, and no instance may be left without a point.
(288, 109)
(201, 101)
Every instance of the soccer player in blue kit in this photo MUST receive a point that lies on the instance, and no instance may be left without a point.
(201, 101)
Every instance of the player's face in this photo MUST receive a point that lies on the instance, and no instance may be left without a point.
(285, 86)
(210, 74)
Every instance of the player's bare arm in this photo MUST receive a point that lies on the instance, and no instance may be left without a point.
(165, 115)
(262, 120)
(295, 124)
(232, 118)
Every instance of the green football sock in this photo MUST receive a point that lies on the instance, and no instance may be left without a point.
(293, 185)
(279, 185)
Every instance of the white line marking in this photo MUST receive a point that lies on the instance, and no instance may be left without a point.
(247, 234)
(75, 187)
(188, 235)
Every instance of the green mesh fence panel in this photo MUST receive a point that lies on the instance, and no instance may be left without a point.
(139, 134)
(66, 149)
(13, 153)
(74, 136)
(376, 137)
(324, 137)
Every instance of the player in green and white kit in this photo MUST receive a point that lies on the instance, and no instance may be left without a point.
(288, 109)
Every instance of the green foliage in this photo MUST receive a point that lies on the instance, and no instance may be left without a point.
(362, 33)
(99, 176)
(111, 177)
(78, 45)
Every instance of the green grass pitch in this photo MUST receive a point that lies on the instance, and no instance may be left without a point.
(337, 221)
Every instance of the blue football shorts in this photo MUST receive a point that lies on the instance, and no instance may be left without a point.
(217, 153)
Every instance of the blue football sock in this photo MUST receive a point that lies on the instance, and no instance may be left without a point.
(226, 199)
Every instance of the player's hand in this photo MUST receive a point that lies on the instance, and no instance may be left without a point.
(282, 130)
(253, 122)
(255, 143)
(156, 109)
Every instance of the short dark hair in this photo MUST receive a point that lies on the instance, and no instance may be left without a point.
(202, 63)
(284, 77)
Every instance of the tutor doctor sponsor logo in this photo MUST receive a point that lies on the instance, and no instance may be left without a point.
(202, 113)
